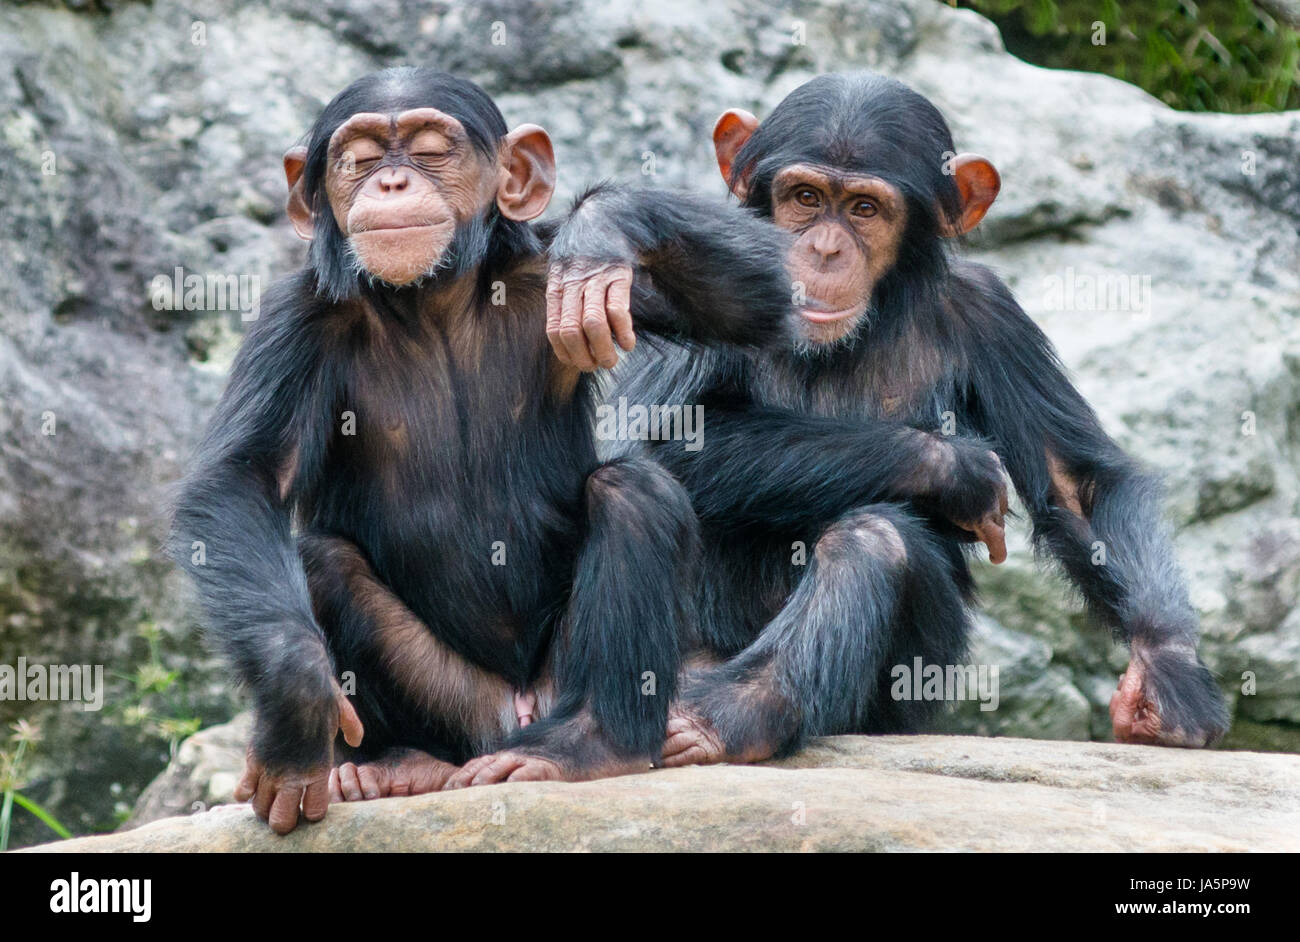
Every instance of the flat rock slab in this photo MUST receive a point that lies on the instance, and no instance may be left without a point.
(846, 793)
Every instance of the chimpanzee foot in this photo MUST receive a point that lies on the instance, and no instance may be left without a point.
(692, 741)
(398, 772)
(507, 766)
(729, 715)
(575, 750)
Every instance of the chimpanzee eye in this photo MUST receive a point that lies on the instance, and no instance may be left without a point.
(806, 196)
(429, 145)
(864, 208)
(360, 155)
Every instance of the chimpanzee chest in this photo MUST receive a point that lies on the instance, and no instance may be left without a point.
(450, 482)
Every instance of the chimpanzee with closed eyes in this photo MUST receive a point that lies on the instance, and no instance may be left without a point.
(862, 171)
(462, 557)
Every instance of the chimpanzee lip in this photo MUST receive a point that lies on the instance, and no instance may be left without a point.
(420, 225)
(830, 316)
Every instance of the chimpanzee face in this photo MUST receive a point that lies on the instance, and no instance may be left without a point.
(405, 187)
(399, 185)
(822, 180)
(848, 228)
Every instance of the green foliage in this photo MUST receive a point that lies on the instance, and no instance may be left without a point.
(158, 705)
(1218, 55)
(11, 779)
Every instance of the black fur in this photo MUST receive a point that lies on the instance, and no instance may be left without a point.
(676, 247)
(796, 440)
(452, 451)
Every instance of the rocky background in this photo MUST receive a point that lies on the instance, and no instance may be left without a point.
(135, 138)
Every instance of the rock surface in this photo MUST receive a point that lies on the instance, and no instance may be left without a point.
(847, 793)
(146, 138)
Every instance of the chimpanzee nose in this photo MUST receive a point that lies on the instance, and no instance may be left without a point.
(393, 180)
(826, 245)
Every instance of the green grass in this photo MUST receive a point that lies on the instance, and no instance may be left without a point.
(11, 767)
(1217, 55)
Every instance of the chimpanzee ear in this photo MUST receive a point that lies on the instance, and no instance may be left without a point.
(295, 159)
(528, 173)
(731, 132)
(978, 183)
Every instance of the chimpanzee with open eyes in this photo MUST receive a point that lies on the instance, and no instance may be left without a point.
(862, 171)
(463, 559)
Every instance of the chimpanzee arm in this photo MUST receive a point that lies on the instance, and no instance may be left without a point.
(231, 530)
(813, 469)
(1092, 507)
(661, 262)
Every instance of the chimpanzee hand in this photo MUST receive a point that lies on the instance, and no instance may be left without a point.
(588, 305)
(278, 793)
(1167, 697)
(973, 495)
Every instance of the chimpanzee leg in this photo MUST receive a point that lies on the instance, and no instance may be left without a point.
(618, 646)
(421, 703)
(878, 584)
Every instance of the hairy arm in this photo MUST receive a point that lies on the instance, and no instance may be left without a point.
(232, 534)
(632, 259)
(758, 465)
(1093, 509)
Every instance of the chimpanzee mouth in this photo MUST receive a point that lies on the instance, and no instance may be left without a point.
(820, 314)
(396, 228)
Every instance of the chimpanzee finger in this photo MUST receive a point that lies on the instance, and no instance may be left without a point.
(465, 774)
(265, 797)
(694, 754)
(595, 323)
(336, 793)
(349, 782)
(349, 722)
(284, 812)
(618, 305)
(554, 300)
(534, 771)
(498, 769)
(994, 536)
(1124, 704)
(247, 786)
(679, 742)
(371, 787)
(316, 799)
(571, 335)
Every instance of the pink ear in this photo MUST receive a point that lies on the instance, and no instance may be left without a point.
(978, 183)
(300, 215)
(732, 130)
(528, 181)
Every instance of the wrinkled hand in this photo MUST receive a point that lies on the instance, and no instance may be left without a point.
(277, 796)
(1135, 707)
(1134, 716)
(990, 526)
(588, 306)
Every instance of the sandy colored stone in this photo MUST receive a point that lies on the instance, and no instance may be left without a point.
(848, 793)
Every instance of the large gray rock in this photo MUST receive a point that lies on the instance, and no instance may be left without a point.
(165, 131)
(847, 793)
